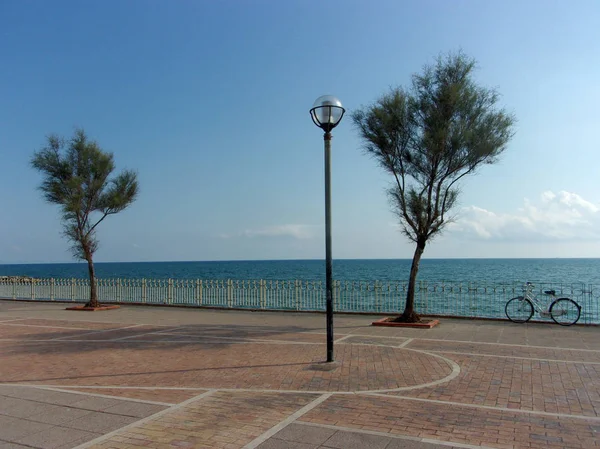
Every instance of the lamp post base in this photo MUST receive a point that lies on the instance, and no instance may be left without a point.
(324, 366)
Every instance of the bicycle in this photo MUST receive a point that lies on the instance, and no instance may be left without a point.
(563, 311)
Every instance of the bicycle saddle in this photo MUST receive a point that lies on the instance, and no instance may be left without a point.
(550, 292)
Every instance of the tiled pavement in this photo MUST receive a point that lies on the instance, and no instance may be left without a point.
(32, 417)
(302, 436)
(162, 378)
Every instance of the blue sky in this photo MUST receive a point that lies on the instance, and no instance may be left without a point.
(209, 102)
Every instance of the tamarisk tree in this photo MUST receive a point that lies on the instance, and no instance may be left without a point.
(77, 177)
(428, 137)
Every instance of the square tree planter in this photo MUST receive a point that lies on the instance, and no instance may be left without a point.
(93, 309)
(388, 322)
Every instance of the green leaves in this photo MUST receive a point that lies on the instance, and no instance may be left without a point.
(76, 176)
(430, 136)
(121, 192)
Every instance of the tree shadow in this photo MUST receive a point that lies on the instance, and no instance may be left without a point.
(66, 341)
(62, 355)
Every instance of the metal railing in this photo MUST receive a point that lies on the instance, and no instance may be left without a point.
(445, 298)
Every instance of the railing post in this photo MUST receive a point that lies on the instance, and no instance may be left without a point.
(14, 289)
(199, 291)
(144, 293)
(263, 295)
(297, 293)
(72, 289)
(119, 290)
(52, 289)
(229, 293)
(32, 290)
(170, 292)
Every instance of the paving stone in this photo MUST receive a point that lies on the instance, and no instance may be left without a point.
(56, 437)
(30, 393)
(59, 415)
(95, 403)
(355, 440)
(135, 409)
(8, 445)
(99, 422)
(276, 443)
(26, 409)
(12, 429)
(398, 443)
(305, 434)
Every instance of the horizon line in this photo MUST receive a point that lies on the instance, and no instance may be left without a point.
(295, 260)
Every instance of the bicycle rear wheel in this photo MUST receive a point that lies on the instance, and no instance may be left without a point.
(519, 310)
(565, 311)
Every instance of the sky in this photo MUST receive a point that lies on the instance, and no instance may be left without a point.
(208, 102)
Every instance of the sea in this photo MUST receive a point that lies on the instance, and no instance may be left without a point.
(547, 271)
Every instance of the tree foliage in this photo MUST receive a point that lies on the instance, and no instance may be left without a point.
(430, 136)
(76, 176)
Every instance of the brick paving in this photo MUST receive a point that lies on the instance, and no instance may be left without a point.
(221, 365)
(576, 355)
(492, 385)
(554, 387)
(222, 420)
(455, 424)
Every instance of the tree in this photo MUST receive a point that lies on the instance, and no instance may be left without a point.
(76, 177)
(429, 137)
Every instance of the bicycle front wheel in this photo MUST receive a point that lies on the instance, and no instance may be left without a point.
(565, 311)
(519, 310)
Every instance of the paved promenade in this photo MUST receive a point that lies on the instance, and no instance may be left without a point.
(150, 377)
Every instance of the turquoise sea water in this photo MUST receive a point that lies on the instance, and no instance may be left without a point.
(565, 271)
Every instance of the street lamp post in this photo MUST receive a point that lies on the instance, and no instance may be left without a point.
(326, 113)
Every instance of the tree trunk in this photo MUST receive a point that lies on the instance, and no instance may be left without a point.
(93, 292)
(409, 315)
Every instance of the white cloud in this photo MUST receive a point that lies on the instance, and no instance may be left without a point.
(296, 231)
(556, 216)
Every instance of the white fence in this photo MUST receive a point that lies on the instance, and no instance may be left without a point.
(450, 298)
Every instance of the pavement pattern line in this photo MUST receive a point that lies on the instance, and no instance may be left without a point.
(485, 407)
(45, 327)
(392, 435)
(402, 345)
(98, 395)
(463, 341)
(455, 371)
(144, 420)
(473, 354)
(98, 332)
(290, 419)
(509, 344)
(146, 333)
(343, 338)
